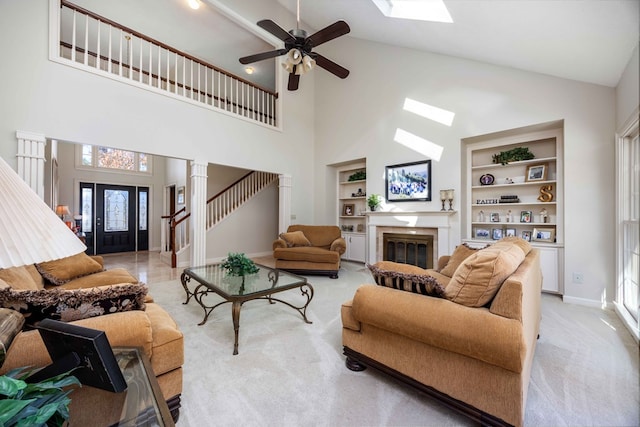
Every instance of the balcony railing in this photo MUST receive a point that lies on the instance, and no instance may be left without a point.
(99, 44)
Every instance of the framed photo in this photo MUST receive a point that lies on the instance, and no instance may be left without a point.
(180, 196)
(510, 232)
(543, 235)
(536, 173)
(526, 235)
(409, 182)
(348, 209)
(482, 233)
(496, 233)
(526, 216)
(495, 217)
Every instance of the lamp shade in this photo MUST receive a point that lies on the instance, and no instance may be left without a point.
(62, 210)
(30, 231)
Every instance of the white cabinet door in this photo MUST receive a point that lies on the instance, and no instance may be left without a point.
(356, 243)
(550, 265)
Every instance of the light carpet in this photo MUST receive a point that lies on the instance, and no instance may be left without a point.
(289, 373)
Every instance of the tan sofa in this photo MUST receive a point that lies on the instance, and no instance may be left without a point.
(150, 328)
(310, 249)
(472, 355)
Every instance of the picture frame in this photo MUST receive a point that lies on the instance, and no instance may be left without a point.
(408, 182)
(526, 235)
(536, 173)
(544, 235)
(496, 233)
(526, 216)
(348, 209)
(494, 217)
(482, 233)
(180, 196)
(510, 232)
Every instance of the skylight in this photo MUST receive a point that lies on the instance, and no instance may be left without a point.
(422, 10)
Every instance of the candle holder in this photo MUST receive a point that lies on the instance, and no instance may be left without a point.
(443, 198)
(450, 199)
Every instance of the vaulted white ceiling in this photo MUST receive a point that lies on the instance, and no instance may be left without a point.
(585, 40)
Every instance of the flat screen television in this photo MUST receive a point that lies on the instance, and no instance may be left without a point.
(87, 350)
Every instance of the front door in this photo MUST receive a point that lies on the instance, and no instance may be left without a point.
(115, 219)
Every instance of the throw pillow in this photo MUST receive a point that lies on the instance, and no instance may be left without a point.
(416, 283)
(62, 270)
(18, 278)
(461, 253)
(479, 277)
(68, 305)
(295, 238)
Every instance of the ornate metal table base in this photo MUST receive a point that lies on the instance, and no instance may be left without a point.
(204, 289)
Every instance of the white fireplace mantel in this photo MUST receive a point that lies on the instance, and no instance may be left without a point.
(439, 220)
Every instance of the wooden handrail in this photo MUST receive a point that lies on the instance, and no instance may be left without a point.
(163, 45)
(229, 186)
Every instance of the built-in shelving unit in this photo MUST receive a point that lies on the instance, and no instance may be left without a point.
(352, 205)
(522, 198)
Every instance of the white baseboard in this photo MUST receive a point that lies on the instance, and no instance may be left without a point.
(586, 302)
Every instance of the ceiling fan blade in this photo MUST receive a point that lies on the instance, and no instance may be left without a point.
(331, 66)
(294, 79)
(261, 56)
(337, 29)
(276, 30)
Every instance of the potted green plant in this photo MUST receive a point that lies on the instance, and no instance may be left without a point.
(239, 265)
(44, 403)
(374, 201)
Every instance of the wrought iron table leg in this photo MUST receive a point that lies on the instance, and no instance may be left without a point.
(184, 279)
(235, 314)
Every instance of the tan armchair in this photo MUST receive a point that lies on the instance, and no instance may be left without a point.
(310, 249)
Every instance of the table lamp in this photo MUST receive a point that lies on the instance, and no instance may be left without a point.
(39, 235)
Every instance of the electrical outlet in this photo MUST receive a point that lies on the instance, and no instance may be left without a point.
(578, 278)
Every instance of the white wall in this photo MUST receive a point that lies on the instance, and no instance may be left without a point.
(628, 90)
(71, 105)
(358, 117)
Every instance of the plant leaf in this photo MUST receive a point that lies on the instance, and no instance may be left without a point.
(10, 387)
(10, 407)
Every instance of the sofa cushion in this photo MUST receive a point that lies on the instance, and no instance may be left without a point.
(307, 253)
(112, 276)
(63, 270)
(295, 238)
(461, 253)
(68, 305)
(420, 283)
(479, 277)
(19, 278)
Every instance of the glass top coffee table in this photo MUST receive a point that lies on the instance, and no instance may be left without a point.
(238, 290)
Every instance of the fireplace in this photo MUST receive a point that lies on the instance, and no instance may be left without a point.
(433, 226)
(413, 249)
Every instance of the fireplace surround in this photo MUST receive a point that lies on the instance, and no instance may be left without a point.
(422, 223)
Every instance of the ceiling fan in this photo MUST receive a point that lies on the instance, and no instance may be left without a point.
(298, 48)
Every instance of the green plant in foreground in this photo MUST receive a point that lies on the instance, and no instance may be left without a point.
(239, 265)
(39, 404)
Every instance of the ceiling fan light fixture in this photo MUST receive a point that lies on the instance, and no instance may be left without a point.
(194, 4)
(294, 57)
(288, 67)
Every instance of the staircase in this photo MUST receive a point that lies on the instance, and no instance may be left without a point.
(175, 228)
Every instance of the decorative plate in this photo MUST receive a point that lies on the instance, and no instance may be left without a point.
(487, 179)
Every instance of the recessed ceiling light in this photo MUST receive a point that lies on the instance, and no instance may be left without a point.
(249, 70)
(422, 10)
(194, 4)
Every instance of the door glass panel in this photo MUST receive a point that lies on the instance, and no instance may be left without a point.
(142, 211)
(87, 210)
(116, 213)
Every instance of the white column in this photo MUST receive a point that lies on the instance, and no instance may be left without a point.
(284, 202)
(198, 223)
(31, 159)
